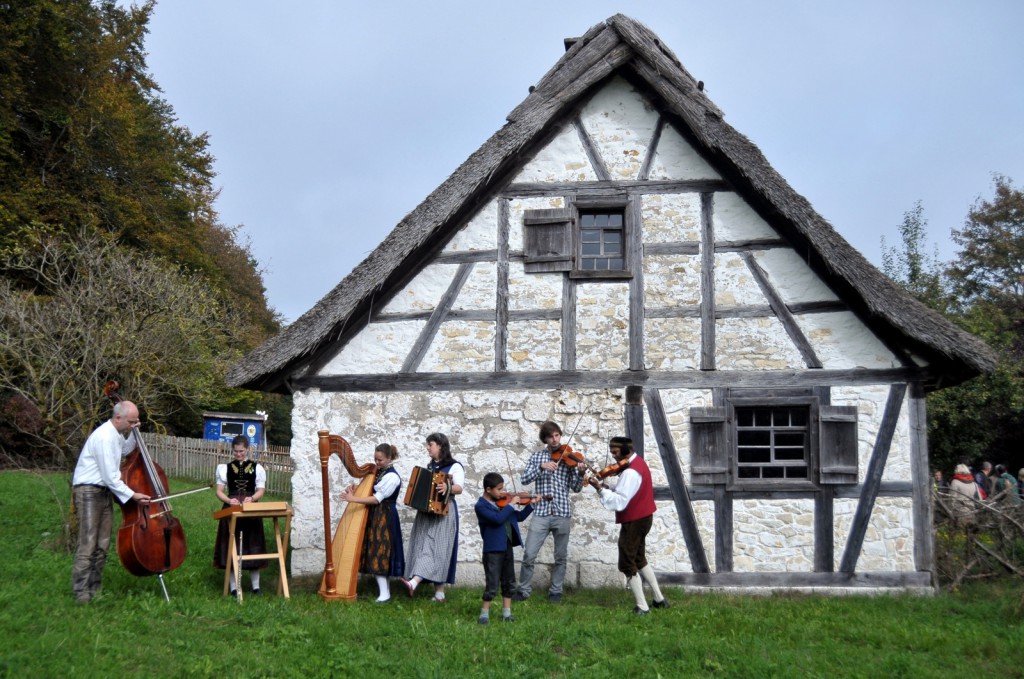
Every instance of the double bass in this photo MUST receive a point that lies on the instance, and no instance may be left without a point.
(150, 540)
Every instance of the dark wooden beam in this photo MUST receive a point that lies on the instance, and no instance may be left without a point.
(634, 256)
(501, 316)
(606, 188)
(670, 461)
(921, 478)
(707, 282)
(575, 379)
(422, 344)
(873, 478)
(568, 338)
(593, 153)
(652, 151)
(723, 530)
(824, 530)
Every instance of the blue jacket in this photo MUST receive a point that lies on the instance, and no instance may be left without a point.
(492, 524)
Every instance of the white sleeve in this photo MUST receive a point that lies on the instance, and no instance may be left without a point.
(617, 499)
(222, 475)
(386, 486)
(458, 475)
(261, 477)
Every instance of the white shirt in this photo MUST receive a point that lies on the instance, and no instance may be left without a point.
(628, 484)
(261, 476)
(386, 486)
(99, 463)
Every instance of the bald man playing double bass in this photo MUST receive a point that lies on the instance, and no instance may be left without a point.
(96, 482)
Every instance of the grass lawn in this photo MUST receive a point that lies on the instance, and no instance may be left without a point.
(131, 631)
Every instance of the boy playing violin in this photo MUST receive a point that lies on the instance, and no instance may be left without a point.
(632, 500)
(499, 528)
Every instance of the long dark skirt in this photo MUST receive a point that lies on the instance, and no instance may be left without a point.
(382, 542)
(252, 541)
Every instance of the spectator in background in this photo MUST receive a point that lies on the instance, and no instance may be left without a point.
(964, 491)
(938, 482)
(981, 477)
(1004, 486)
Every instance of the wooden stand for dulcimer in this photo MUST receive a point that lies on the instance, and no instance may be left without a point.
(257, 510)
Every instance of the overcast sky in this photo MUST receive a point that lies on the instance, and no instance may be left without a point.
(331, 120)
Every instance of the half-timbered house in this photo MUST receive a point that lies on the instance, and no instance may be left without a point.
(619, 259)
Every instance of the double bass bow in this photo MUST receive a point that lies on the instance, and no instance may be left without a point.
(150, 540)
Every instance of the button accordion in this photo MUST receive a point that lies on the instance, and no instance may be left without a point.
(421, 493)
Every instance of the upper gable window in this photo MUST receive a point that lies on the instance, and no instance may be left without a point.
(601, 240)
(587, 239)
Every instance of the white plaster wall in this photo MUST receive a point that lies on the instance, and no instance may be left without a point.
(754, 344)
(532, 291)
(377, 348)
(735, 220)
(671, 218)
(870, 401)
(621, 123)
(841, 341)
(677, 159)
(562, 160)
(672, 343)
(889, 539)
(425, 290)
(791, 277)
(480, 290)
(773, 535)
(734, 284)
(602, 326)
(461, 346)
(481, 233)
(534, 345)
(671, 281)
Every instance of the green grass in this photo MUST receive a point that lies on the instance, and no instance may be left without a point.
(131, 631)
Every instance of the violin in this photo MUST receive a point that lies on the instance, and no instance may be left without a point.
(564, 453)
(522, 498)
(150, 540)
(595, 476)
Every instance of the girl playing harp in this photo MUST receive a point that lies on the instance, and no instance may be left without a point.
(382, 554)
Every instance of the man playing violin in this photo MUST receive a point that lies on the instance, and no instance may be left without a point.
(499, 529)
(553, 481)
(96, 480)
(632, 500)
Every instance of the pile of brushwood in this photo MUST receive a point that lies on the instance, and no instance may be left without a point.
(977, 539)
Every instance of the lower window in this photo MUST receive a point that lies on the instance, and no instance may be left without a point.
(772, 442)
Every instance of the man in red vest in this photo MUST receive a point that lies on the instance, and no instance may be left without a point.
(632, 500)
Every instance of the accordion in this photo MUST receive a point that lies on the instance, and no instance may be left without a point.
(421, 493)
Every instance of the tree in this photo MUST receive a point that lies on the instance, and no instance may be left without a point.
(908, 265)
(98, 311)
(90, 153)
(982, 419)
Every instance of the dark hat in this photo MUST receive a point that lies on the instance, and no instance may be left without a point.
(622, 443)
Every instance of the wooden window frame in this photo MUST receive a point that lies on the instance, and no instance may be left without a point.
(832, 444)
(552, 242)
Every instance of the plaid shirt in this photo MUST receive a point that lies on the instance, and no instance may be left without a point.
(557, 484)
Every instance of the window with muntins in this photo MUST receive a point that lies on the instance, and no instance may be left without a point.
(772, 442)
(601, 240)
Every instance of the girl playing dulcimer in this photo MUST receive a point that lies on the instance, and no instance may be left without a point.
(239, 482)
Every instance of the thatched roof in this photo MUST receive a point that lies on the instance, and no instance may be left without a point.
(625, 47)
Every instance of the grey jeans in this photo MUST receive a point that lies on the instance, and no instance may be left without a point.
(540, 528)
(94, 505)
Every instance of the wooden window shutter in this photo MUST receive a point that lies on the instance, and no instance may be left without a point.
(838, 444)
(547, 240)
(709, 454)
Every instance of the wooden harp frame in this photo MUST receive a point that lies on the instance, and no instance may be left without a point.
(341, 571)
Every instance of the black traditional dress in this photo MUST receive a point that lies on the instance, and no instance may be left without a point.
(241, 483)
(382, 540)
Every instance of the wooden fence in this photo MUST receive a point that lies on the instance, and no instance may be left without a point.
(198, 459)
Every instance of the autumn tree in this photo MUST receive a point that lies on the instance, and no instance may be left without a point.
(911, 265)
(983, 418)
(91, 155)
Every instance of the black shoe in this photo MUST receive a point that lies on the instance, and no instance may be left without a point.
(519, 596)
(554, 598)
(508, 618)
(256, 592)
(661, 604)
(483, 620)
(641, 611)
(233, 593)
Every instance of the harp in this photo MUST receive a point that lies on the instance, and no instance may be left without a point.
(341, 571)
